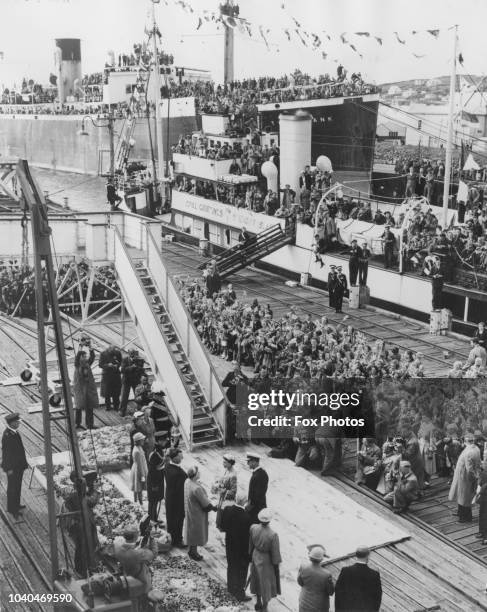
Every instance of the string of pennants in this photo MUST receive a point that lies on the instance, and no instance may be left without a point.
(311, 40)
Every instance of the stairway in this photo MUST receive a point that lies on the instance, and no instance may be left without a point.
(205, 429)
(238, 257)
(123, 149)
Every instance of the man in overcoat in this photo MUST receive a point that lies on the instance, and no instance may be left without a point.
(14, 462)
(175, 478)
(465, 479)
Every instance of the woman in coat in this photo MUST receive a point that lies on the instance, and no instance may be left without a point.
(138, 471)
(84, 389)
(196, 508)
(226, 486)
(266, 557)
(316, 583)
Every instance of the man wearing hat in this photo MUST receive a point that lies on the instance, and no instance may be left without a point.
(358, 587)
(340, 289)
(332, 279)
(406, 489)
(465, 478)
(389, 241)
(132, 370)
(155, 474)
(258, 484)
(235, 522)
(14, 462)
(175, 478)
(354, 255)
(73, 522)
(134, 558)
(316, 583)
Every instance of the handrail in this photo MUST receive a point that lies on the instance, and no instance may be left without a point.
(213, 372)
(185, 384)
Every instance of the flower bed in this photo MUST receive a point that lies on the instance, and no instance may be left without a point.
(112, 513)
(107, 448)
(187, 587)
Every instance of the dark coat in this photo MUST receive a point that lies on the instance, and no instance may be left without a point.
(175, 477)
(257, 493)
(13, 452)
(155, 477)
(109, 363)
(358, 588)
(235, 523)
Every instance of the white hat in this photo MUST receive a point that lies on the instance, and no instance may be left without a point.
(265, 515)
(252, 455)
(138, 414)
(139, 436)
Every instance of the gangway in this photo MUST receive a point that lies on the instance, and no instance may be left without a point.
(171, 343)
(243, 255)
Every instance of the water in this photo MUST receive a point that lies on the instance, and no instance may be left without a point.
(85, 193)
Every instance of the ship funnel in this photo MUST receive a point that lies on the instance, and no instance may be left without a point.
(294, 146)
(68, 64)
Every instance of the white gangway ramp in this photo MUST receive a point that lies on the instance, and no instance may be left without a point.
(171, 343)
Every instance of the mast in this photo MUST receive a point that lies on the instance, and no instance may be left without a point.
(229, 9)
(449, 142)
(157, 95)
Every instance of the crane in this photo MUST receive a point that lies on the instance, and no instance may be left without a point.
(83, 597)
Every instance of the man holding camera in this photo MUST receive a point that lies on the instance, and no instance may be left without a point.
(135, 554)
(132, 372)
(111, 380)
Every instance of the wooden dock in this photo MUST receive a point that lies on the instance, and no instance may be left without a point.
(424, 572)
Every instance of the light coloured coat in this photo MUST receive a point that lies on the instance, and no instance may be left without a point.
(465, 477)
(196, 517)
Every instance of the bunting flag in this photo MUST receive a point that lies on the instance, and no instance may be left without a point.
(308, 38)
(261, 30)
(355, 49)
(316, 41)
(300, 37)
(460, 59)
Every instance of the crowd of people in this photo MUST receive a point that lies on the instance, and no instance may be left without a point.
(17, 288)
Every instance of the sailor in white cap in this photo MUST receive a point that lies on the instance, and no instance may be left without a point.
(138, 471)
(266, 557)
(316, 583)
(258, 484)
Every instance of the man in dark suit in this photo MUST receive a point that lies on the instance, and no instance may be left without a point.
(14, 462)
(257, 487)
(235, 522)
(332, 280)
(354, 255)
(175, 477)
(341, 289)
(358, 587)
